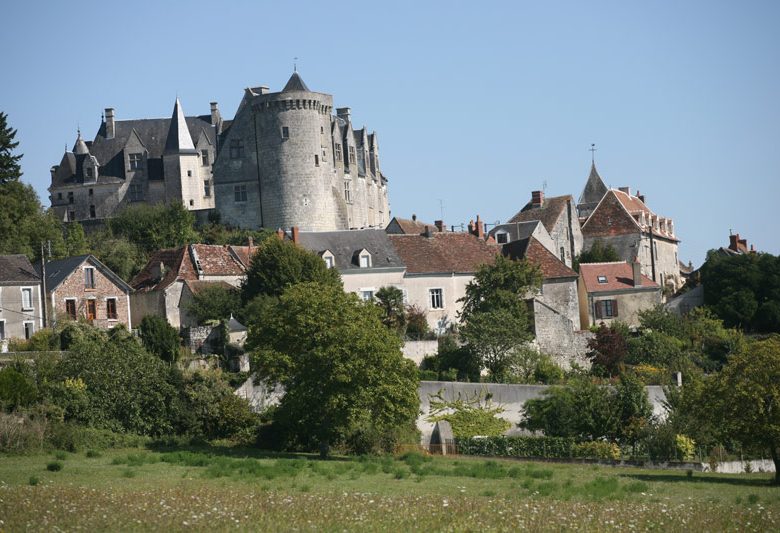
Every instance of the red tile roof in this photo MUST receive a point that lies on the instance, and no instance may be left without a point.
(443, 252)
(619, 213)
(620, 276)
(536, 254)
(412, 227)
(216, 260)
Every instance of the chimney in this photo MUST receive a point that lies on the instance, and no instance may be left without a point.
(471, 227)
(414, 217)
(733, 242)
(216, 118)
(637, 272)
(295, 234)
(640, 196)
(626, 190)
(742, 245)
(427, 233)
(537, 198)
(344, 113)
(110, 126)
(439, 225)
(480, 229)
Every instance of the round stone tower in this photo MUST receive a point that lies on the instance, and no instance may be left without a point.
(296, 176)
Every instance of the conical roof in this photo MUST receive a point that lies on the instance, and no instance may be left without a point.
(295, 83)
(595, 189)
(179, 140)
(80, 147)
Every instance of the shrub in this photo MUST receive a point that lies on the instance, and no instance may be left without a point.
(213, 410)
(549, 447)
(597, 450)
(54, 466)
(159, 338)
(661, 443)
(685, 447)
(416, 323)
(16, 390)
(21, 434)
(74, 438)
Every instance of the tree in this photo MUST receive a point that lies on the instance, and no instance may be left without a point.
(633, 409)
(117, 253)
(10, 170)
(598, 253)
(416, 323)
(24, 224)
(495, 317)
(214, 302)
(608, 349)
(159, 338)
(75, 240)
(339, 367)
(748, 393)
(390, 301)
(153, 227)
(279, 264)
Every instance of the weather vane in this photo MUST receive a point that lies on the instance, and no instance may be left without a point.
(593, 153)
(295, 64)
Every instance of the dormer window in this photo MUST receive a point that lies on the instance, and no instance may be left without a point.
(602, 279)
(136, 161)
(364, 259)
(87, 172)
(329, 258)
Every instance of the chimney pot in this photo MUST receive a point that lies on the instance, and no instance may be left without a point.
(414, 217)
(439, 225)
(427, 232)
(537, 198)
(480, 228)
(295, 235)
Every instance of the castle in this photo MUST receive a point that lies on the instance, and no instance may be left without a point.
(285, 159)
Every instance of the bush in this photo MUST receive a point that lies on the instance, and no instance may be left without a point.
(54, 466)
(548, 447)
(662, 443)
(21, 434)
(159, 338)
(212, 408)
(416, 323)
(16, 390)
(597, 450)
(74, 438)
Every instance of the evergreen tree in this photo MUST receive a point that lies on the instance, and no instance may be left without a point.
(10, 170)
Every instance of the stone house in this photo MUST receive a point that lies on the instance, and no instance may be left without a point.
(406, 226)
(558, 215)
(130, 161)
(624, 221)
(616, 291)
(160, 286)
(556, 305)
(366, 259)
(286, 160)
(439, 266)
(21, 307)
(518, 231)
(83, 288)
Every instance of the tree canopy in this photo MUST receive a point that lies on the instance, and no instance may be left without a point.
(10, 169)
(215, 302)
(598, 253)
(153, 227)
(341, 370)
(495, 318)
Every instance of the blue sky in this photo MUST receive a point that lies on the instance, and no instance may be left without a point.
(475, 104)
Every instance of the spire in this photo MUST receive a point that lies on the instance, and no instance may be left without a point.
(80, 147)
(595, 189)
(295, 83)
(179, 140)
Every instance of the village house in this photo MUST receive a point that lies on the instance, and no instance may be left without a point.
(405, 226)
(615, 291)
(21, 309)
(170, 278)
(83, 288)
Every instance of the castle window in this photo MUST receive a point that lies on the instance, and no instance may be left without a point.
(563, 254)
(436, 298)
(88, 172)
(204, 158)
(239, 193)
(337, 152)
(316, 160)
(136, 192)
(236, 149)
(352, 155)
(192, 203)
(285, 132)
(70, 197)
(322, 130)
(207, 189)
(189, 173)
(92, 213)
(348, 191)
(136, 161)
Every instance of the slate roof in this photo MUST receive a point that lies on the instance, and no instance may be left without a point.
(548, 213)
(17, 269)
(179, 140)
(594, 190)
(446, 253)
(408, 226)
(295, 83)
(344, 245)
(58, 271)
(620, 276)
(152, 132)
(536, 253)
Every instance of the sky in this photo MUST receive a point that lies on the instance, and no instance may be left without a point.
(475, 104)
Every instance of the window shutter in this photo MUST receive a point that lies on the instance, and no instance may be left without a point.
(614, 308)
(597, 307)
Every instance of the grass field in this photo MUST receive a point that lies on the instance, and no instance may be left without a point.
(219, 489)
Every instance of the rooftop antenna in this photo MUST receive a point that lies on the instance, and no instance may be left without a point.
(592, 150)
(544, 186)
(295, 64)
(441, 208)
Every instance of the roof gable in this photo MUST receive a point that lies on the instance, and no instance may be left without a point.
(58, 271)
(610, 218)
(548, 213)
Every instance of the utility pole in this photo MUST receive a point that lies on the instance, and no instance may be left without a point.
(43, 287)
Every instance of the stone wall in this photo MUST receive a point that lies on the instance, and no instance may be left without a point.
(417, 350)
(73, 288)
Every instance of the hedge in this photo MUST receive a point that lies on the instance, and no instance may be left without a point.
(547, 447)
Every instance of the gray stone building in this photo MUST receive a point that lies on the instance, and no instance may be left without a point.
(286, 160)
(21, 306)
(128, 161)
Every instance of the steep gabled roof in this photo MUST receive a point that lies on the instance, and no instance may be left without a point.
(619, 213)
(594, 190)
(345, 245)
(548, 213)
(16, 269)
(58, 271)
(179, 139)
(537, 254)
(295, 83)
(619, 276)
(444, 253)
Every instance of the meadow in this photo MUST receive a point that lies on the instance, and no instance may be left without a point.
(215, 489)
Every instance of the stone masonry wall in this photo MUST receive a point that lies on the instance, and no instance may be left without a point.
(73, 288)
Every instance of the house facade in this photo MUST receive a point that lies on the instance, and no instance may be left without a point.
(616, 291)
(21, 305)
(83, 288)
